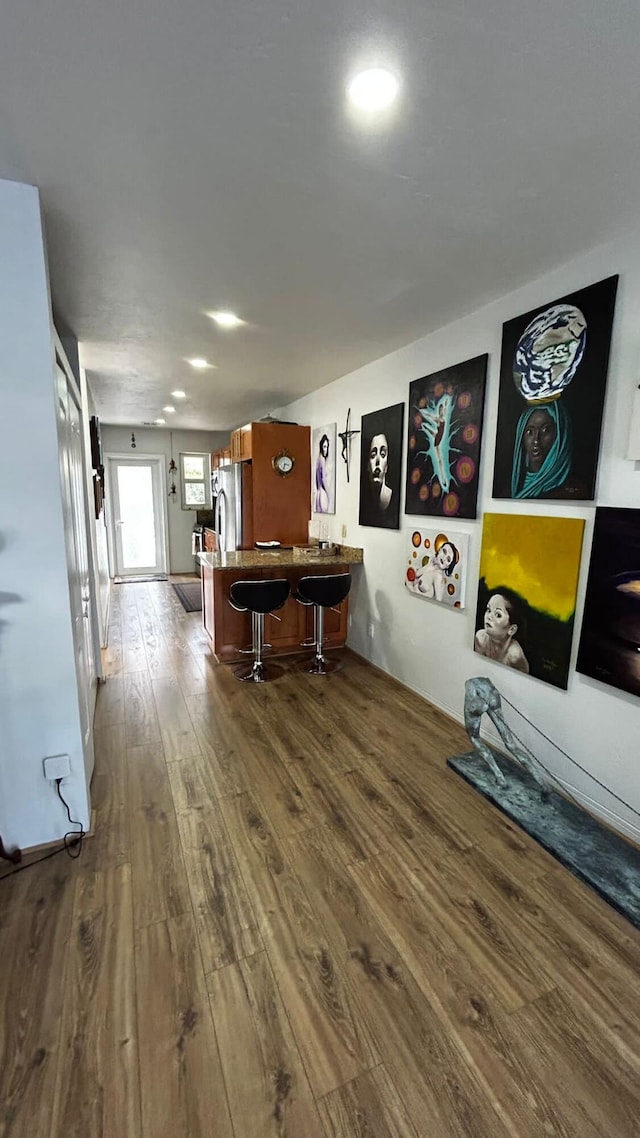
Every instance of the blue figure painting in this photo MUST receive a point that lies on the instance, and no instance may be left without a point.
(445, 433)
(552, 384)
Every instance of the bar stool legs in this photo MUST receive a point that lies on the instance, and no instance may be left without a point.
(320, 665)
(323, 592)
(255, 672)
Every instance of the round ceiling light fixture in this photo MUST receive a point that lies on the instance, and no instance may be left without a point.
(169, 409)
(199, 363)
(226, 319)
(160, 422)
(373, 90)
(179, 394)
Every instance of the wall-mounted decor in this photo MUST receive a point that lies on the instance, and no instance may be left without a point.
(610, 638)
(323, 468)
(553, 375)
(529, 569)
(444, 437)
(345, 439)
(380, 467)
(436, 565)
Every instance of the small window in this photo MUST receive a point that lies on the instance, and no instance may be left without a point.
(195, 478)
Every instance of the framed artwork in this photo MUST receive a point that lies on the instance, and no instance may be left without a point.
(444, 437)
(529, 570)
(380, 467)
(323, 466)
(553, 374)
(436, 566)
(610, 637)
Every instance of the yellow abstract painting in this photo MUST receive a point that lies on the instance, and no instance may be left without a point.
(529, 569)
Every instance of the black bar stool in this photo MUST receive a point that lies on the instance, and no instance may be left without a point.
(258, 598)
(323, 592)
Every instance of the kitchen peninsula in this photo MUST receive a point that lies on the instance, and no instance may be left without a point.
(229, 630)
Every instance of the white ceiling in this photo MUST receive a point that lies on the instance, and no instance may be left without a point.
(195, 155)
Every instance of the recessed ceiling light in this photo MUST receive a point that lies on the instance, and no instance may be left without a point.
(161, 422)
(169, 409)
(226, 319)
(199, 363)
(179, 394)
(373, 90)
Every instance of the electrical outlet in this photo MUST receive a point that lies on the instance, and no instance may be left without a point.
(371, 630)
(57, 766)
(343, 532)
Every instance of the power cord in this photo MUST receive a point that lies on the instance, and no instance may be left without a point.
(72, 841)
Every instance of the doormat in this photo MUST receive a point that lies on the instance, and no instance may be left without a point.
(190, 595)
(138, 579)
(596, 855)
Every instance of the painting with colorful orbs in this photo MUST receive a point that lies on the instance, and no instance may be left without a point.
(381, 467)
(444, 438)
(529, 568)
(323, 468)
(436, 565)
(553, 375)
(610, 637)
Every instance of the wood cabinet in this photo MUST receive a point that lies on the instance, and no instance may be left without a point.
(241, 444)
(210, 541)
(285, 630)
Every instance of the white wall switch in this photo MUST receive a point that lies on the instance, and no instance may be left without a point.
(57, 766)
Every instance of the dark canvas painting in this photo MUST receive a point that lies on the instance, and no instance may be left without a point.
(610, 639)
(444, 437)
(529, 569)
(553, 375)
(380, 467)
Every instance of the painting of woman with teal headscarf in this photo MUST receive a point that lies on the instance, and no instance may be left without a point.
(552, 384)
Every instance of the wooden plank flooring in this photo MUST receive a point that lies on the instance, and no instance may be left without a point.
(294, 921)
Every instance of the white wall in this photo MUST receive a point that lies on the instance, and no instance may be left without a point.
(117, 440)
(38, 692)
(430, 648)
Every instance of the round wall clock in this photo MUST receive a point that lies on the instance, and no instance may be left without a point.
(283, 463)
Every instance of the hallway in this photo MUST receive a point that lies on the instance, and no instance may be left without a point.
(293, 920)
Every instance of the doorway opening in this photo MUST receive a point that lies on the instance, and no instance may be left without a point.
(137, 518)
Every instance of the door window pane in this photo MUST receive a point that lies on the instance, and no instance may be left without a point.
(137, 532)
(194, 467)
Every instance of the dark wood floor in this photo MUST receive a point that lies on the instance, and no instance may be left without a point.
(293, 920)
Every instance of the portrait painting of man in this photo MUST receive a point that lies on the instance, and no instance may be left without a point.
(380, 467)
(553, 375)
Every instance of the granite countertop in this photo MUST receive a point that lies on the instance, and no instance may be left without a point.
(260, 559)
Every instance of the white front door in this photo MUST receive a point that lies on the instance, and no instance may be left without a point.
(74, 504)
(137, 516)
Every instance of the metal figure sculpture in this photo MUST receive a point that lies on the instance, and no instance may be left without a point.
(482, 697)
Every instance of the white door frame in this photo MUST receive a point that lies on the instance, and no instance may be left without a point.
(148, 460)
(87, 675)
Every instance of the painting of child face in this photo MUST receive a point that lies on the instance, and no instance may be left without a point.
(527, 597)
(497, 619)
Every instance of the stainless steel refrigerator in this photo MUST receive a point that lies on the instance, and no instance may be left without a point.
(232, 520)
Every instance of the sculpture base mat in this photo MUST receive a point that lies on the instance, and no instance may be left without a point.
(607, 863)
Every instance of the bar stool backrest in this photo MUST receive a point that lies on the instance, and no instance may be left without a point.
(326, 590)
(260, 596)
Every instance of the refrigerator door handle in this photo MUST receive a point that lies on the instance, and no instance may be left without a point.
(221, 510)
